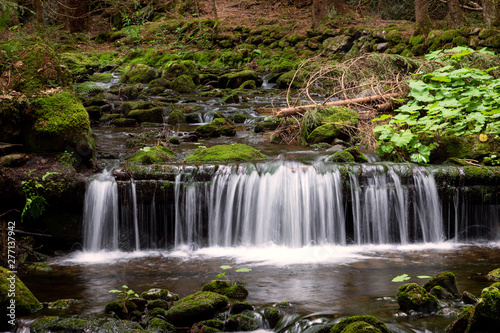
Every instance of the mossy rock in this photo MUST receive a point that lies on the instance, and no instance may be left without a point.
(157, 293)
(412, 297)
(124, 122)
(136, 105)
(232, 98)
(225, 153)
(337, 44)
(160, 82)
(101, 77)
(109, 117)
(175, 69)
(235, 80)
(59, 121)
(138, 73)
(62, 304)
(272, 315)
(487, 33)
(94, 112)
(117, 309)
(466, 147)
(341, 157)
(241, 322)
(359, 157)
(25, 302)
(157, 303)
(461, 324)
(416, 40)
(240, 118)
(199, 306)
(324, 133)
(289, 78)
(217, 324)
(360, 327)
(486, 317)
(493, 41)
(10, 121)
(267, 125)
(217, 127)
(445, 280)
(346, 325)
(239, 307)
(183, 84)
(160, 325)
(58, 324)
(250, 84)
(150, 155)
(494, 275)
(225, 288)
(40, 267)
(176, 117)
(154, 115)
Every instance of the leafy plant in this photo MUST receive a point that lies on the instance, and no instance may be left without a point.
(126, 295)
(67, 159)
(452, 100)
(225, 274)
(35, 201)
(404, 277)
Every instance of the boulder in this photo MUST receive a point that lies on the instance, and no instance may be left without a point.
(193, 308)
(217, 127)
(235, 80)
(225, 153)
(175, 69)
(445, 280)
(183, 84)
(412, 297)
(360, 324)
(337, 44)
(138, 73)
(239, 307)
(154, 115)
(150, 155)
(242, 322)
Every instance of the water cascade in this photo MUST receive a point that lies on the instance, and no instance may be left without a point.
(283, 203)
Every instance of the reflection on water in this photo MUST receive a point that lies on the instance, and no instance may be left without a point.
(326, 280)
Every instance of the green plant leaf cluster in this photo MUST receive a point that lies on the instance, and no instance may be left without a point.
(452, 100)
(33, 189)
(232, 281)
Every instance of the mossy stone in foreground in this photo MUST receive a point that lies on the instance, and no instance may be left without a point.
(342, 157)
(324, 133)
(412, 296)
(176, 117)
(52, 324)
(225, 153)
(149, 155)
(25, 302)
(183, 84)
(217, 127)
(445, 280)
(225, 288)
(160, 325)
(199, 306)
(235, 80)
(241, 322)
(360, 324)
(59, 120)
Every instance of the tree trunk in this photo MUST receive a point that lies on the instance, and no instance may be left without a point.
(491, 13)
(78, 15)
(422, 15)
(39, 11)
(455, 13)
(322, 7)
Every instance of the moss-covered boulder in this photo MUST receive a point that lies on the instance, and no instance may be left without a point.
(466, 147)
(62, 304)
(413, 297)
(175, 69)
(445, 280)
(289, 78)
(138, 73)
(359, 157)
(82, 324)
(272, 315)
(16, 299)
(242, 322)
(340, 43)
(199, 306)
(217, 127)
(154, 115)
(329, 123)
(461, 324)
(360, 324)
(341, 157)
(157, 303)
(183, 84)
(176, 117)
(214, 323)
(239, 307)
(324, 133)
(101, 77)
(159, 325)
(494, 275)
(150, 155)
(124, 122)
(235, 80)
(58, 121)
(486, 316)
(225, 153)
(225, 288)
(157, 293)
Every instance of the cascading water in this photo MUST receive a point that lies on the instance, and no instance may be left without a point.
(100, 221)
(280, 203)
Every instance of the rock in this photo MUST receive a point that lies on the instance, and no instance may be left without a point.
(157, 303)
(124, 122)
(341, 157)
(231, 98)
(13, 160)
(40, 267)
(486, 317)
(10, 148)
(75, 324)
(267, 125)
(240, 118)
(199, 306)
(225, 153)
(154, 115)
(183, 84)
(468, 298)
(150, 155)
(272, 315)
(62, 304)
(117, 309)
(139, 73)
(16, 300)
(235, 80)
(359, 157)
(217, 127)
(156, 293)
(239, 307)
(412, 297)
(160, 325)
(494, 275)
(381, 47)
(161, 82)
(183, 67)
(324, 133)
(360, 324)
(176, 117)
(284, 81)
(242, 322)
(337, 44)
(461, 324)
(250, 84)
(445, 280)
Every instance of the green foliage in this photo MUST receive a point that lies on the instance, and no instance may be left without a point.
(67, 159)
(404, 277)
(453, 100)
(226, 275)
(126, 295)
(33, 189)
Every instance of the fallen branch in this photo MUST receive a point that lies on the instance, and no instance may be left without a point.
(286, 112)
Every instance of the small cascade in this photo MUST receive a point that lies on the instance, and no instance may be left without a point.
(100, 221)
(427, 206)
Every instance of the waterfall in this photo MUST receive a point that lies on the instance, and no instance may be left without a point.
(282, 203)
(100, 221)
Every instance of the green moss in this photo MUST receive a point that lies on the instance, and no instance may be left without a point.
(124, 122)
(493, 41)
(62, 304)
(285, 80)
(249, 84)
(109, 117)
(416, 40)
(241, 322)
(217, 127)
(360, 327)
(157, 303)
(235, 80)
(59, 120)
(199, 306)
(217, 324)
(101, 77)
(445, 280)
(176, 117)
(487, 33)
(40, 267)
(411, 296)
(175, 69)
(231, 98)
(154, 115)
(494, 275)
(324, 133)
(459, 41)
(239, 307)
(13, 289)
(57, 324)
(342, 157)
(346, 325)
(160, 325)
(488, 305)
(183, 84)
(149, 155)
(225, 153)
(138, 73)
(272, 315)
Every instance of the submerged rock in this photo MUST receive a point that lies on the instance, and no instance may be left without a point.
(411, 296)
(199, 306)
(225, 153)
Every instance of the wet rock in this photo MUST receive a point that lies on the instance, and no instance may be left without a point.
(183, 84)
(150, 155)
(336, 44)
(411, 296)
(445, 280)
(272, 315)
(139, 73)
(218, 127)
(176, 117)
(160, 325)
(216, 324)
(235, 80)
(242, 322)
(183, 67)
(13, 160)
(381, 47)
(239, 307)
(157, 303)
(468, 298)
(199, 306)
(62, 304)
(324, 133)
(225, 153)
(341, 157)
(267, 126)
(360, 324)
(121, 310)
(154, 115)
(359, 157)
(40, 267)
(494, 275)
(124, 122)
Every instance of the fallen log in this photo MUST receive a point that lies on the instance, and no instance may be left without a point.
(299, 109)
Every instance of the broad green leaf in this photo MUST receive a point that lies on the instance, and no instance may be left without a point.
(441, 79)
(424, 276)
(382, 117)
(243, 270)
(402, 139)
(225, 267)
(115, 291)
(401, 278)
(418, 158)
(220, 275)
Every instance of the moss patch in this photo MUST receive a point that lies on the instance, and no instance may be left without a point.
(217, 127)
(199, 306)
(411, 296)
(225, 153)
(149, 155)
(225, 288)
